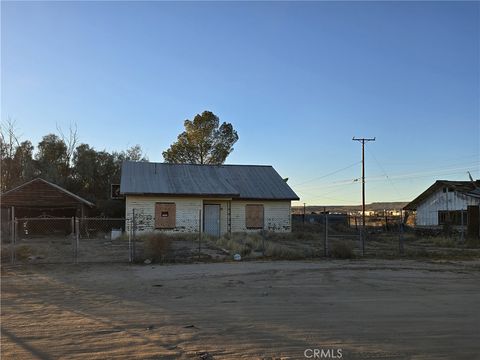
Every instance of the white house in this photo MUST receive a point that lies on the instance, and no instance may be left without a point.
(445, 201)
(214, 199)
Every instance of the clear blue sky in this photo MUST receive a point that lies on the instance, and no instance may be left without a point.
(296, 79)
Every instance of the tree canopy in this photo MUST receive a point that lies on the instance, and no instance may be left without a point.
(79, 168)
(204, 141)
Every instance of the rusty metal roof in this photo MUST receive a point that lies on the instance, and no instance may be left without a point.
(235, 181)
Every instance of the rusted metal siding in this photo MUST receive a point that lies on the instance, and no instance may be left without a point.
(427, 211)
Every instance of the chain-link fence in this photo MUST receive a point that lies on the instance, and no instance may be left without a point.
(383, 235)
(102, 240)
(43, 240)
(66, 240)
(337, 232)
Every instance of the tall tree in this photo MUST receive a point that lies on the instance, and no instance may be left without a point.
(52, 159)
(70, 140)
(204, 141)
(24, 165)
(9, 144)
(17, 164)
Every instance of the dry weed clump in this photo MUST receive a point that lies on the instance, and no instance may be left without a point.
(242, 243)
(156, 246)
(472, 243)
(6, 254)
(267, 244)
(341, 250)
(23, 252)
(444, 242)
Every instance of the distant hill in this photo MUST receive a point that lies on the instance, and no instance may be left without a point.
(376, 206)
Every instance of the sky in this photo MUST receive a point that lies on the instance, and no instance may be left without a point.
(297, 80)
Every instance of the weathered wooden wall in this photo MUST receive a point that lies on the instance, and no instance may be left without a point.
(427, 211)
(39, 197)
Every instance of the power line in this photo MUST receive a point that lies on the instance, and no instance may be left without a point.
(422, 174)
(385, 173)
(329, 174)
(411, 175)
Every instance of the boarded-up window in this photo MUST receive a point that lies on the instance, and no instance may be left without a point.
(254, 216)
(165, 215)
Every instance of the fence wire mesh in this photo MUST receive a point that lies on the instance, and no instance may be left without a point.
(43, 240)
(66, 240)
(102, 240)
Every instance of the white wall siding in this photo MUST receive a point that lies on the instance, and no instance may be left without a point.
(187, 212)
(427, 211)
(277, 216)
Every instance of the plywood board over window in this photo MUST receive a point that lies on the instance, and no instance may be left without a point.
(165, 215)
(254, 216)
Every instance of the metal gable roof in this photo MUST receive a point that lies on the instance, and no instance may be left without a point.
(239, 181)
(464, 187)
(65, 191)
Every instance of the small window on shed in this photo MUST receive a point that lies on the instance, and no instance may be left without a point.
(254, 216)
(165, 215)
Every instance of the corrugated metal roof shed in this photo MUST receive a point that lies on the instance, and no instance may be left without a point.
(239, 181)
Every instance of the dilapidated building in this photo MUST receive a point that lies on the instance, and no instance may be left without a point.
(452, 202)
(214, 199)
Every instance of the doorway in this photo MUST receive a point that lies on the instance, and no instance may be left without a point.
(211, 219)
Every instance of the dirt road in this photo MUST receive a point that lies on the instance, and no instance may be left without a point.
(366, 309)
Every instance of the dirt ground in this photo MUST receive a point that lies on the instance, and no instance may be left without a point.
(367, 309)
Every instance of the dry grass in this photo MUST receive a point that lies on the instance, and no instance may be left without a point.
(472, 243)
(156, 246)
(342, 249)
(23, 252)
(267, 244)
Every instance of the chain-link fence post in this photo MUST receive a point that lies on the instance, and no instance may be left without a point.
(72, 236)
(131, 234)
(77, 239)
(199, 233)
(131, 238)
(325, 244)
(401, 239)
(13, 235)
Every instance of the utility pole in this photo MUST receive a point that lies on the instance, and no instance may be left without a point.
(363, 140)
(304, 213)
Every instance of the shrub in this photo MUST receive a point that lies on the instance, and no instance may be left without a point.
(6, 255)
(341, 250)
(444, 242)
(156, 246)
(472, 242)
(23, 252)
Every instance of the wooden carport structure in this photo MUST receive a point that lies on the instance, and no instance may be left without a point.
(39, 197)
